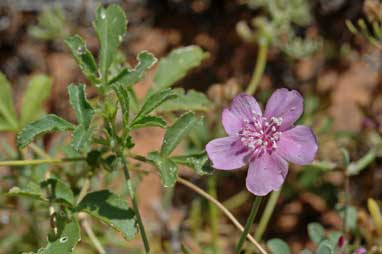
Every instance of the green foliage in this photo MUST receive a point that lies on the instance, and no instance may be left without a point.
(31, 190)
(177, 131)
(112, 210)
(83, 56)
(316, 232)
(325, 248)
(67, 237)
(8, 117)
(278, 246)
(176, 65)
(110, 25)
(167, 168)
(149, 121)
(198, 162)
(58, 191)
(192, 100)
(49, 123)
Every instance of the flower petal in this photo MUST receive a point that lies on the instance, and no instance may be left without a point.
(288, 105)
(231, 123)
(226, 153)
(266, 173)
(243, 106)
(298, 145)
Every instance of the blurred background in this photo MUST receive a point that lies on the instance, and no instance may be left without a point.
(329, 50)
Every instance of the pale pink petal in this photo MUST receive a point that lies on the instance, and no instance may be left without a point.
(226, 153)
(266, 174)
(298, 145)
(244, 106)
(288, 105)
(231, 123)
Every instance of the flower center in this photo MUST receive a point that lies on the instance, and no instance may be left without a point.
(261, 134)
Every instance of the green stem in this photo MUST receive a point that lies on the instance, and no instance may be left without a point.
(251, 218)
(135, 207)
(38, 162)
(259, 68)
(271, 204)
(213, 213)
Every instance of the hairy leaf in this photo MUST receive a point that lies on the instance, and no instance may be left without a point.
(8, 117)
(129, 77)
(153, 101)
(37, 92)
(49, 123)
(58, 191)
(192, 100)
(278, 246)
(68, 235)
(82, 138)
(176, 65)
(149, 121)
(83, 56)
(112, 210)
(198, 162)
(168, 170)
(177, 131)
(82, 108)
(124, 101)
(110, 26)
(31, 190)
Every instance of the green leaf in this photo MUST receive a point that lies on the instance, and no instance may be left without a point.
(68, 235)
(316, 232)
(198, 162)
(168, 170)
(112, 210)
(177, 131)
(82, 138)
(110, 26)
(123, 98)
(133, 99)
(278, 246)
(82, 108)
(192, 100)
(49, 123)
(153, 101)
(333, 238)
(83, 56)
(176, 65)
(58, 191)
(149, 121)
(8, 115)
(324, 248)
(31, 190)
(37, 92)
(129, 77)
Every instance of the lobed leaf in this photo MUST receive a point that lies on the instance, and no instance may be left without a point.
(68, 235)
(176, 65)
(149, 121)
(168, 170)
(83, 110)
(8, 117)
(49, 123)
(110, 25)
(278, 246)
(152, 102)
(177, 131)
(192, 100)
(129, 77)
(83, 57)
(198, 162)
(112, 210)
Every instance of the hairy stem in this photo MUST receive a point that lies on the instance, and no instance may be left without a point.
(213, 213)
(135, 207)
(259, 68)
(251, 218)
(38, 162)
(271, 204)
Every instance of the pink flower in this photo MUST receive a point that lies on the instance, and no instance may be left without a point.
(265, 142)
